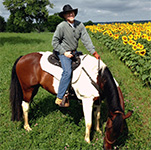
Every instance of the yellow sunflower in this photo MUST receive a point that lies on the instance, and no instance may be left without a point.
(133, 43)
(130, 36)
(144, 36)
(116, 36)
(134, 47)
(110, 34)
(142, 52)
(125, 42)
(137, 52)
(139, 34)
(141, 46)
(138, 45)
(103, 29)
(149, 38)
(130, 42)
(104, 33)
(124, 38)
(135, 37)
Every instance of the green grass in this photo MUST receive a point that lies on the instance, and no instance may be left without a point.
(57, 128)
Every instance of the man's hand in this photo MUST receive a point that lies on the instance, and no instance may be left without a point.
(96, 55)
(68, 54)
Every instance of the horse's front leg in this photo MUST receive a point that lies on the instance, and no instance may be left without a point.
(97, 118)
(25, 107)
(87, 109)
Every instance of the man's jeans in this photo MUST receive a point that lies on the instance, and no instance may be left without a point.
(66, 75)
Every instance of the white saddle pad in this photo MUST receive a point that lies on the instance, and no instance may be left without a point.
(55, 70)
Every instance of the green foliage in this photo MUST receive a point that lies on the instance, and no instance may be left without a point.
(27, 12)
(2, 24)
(53, 21)
(88, 23)
(13, 25)
(139, 65)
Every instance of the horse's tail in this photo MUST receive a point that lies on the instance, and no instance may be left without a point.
(16, 95)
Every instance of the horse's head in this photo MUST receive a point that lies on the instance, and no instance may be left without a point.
(115, 100)
(114, 127)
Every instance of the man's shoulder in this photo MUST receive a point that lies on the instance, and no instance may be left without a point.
(63, 23)
(78, 23)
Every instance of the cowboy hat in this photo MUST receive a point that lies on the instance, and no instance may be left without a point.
(67, 8)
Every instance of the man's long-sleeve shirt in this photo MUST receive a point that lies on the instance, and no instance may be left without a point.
(66, 37)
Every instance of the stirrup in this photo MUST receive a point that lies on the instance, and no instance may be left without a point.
(63, 102)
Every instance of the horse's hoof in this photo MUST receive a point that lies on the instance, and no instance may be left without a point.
(27, 127)
(98, 130)
(87, 140)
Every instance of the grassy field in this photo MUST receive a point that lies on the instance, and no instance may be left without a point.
(57, 128)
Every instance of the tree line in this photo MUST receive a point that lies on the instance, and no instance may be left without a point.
(48, 25)
(29, 16)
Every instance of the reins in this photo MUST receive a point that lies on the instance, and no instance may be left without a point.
(110, 142)
(92, 81)
(118, 112)
(80, 72)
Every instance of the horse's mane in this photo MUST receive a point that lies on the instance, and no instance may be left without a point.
(110, 92)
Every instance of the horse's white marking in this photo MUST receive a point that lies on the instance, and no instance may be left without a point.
(116, 83)
(48, 67)
(25, 107)
(87, 109)
(83, 87)
(55, 84)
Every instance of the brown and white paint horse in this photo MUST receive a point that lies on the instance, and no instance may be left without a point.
(28, 76)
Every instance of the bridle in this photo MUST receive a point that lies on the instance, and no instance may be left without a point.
(106, 138)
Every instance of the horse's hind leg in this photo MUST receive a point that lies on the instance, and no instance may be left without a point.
(27, 96)
(25, 107)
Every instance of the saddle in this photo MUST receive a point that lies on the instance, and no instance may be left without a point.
(54, 59)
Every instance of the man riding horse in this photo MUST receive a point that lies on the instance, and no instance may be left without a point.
(65, 42)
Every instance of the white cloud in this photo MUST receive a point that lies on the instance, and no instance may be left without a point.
(108, 10)
(101, 10)
(3, 11)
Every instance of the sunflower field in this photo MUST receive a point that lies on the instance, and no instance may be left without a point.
(131, 42)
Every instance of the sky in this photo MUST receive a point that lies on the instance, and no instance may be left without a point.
(101, 10)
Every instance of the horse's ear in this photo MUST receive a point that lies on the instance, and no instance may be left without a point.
(128, 115)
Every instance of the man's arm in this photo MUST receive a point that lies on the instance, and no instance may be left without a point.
(86, 40)
(57, 39)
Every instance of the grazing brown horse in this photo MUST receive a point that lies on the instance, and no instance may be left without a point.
(28, 76)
